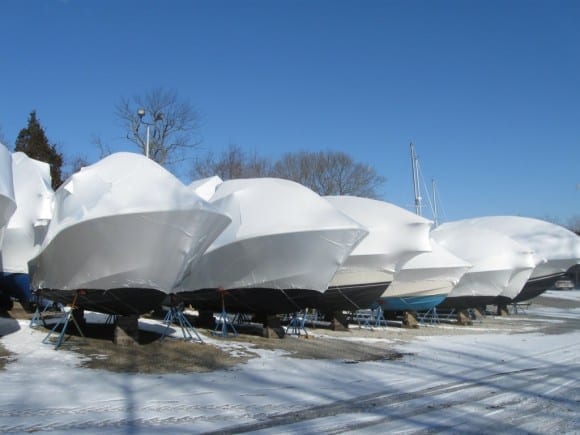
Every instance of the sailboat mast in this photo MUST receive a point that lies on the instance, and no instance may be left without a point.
(416, 186)
(435, 212)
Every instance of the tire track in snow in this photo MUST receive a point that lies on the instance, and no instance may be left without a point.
(473, 391)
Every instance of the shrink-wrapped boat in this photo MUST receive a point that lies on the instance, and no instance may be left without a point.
(279, 254)
(499, 263)
(395, 236)
(424, 281)
(124, 232)
(559, 247)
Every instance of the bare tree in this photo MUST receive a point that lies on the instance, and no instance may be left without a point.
(104, 149)
(173, 125)
(232, 163)
(330, 173)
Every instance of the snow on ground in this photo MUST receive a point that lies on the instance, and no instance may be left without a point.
(483, 381)
(570, 295)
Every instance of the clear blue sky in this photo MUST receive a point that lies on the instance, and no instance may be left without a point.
(489, 91)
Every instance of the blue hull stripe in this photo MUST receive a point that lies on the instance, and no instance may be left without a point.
(411, 303)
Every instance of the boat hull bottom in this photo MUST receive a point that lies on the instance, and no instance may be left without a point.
(119, 301)
(465, 302)
(351, 297)
(251, 300)
(535, 287)
(411, 303)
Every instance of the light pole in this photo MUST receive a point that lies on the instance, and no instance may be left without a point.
(158, 116)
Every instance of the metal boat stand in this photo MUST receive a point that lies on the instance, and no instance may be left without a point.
(111, 319)
(378, 316)
(519, 308)
(37, 317)
(175, 315)
(370, 318)
(430, 317)
(64, 321)
(362, 318)
(296, 325)
(222, 322)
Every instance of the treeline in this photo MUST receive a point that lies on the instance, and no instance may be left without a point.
(166, 128)
(325, 172)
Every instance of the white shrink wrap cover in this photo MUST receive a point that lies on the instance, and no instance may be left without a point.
(395, 236)
(27, 227)
(7, 201)
(124, 224)
(282, 249)
(558, 247)
(425, 281)
(498, 262)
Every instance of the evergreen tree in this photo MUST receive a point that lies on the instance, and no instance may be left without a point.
(33, 142)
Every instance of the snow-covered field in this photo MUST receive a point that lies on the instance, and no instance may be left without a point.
(517, 379)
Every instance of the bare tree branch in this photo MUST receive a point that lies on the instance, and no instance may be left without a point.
(173, 125)
(329, 173)
(232, 163)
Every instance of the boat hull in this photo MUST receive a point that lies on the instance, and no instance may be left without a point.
(416, 295)
(251, 300)
(351, 297)
(411, 303)
(536, 286)
(465, 302)
(16, 285)
(543, 277)
(117, 301)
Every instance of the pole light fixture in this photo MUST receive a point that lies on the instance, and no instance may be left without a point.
(157, 116)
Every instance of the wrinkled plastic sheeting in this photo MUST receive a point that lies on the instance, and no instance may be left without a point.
(124, 222)
(26, 229)
(499, 263)
(395, 236)
(282, 236)
(559, 246)
(206, 187)
(7, 201)
(435, 272)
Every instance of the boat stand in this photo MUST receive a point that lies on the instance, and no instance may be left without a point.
(64, 321)
(175, 315)
(111, 319)
(430, 316)
(296, 325)
(520, 308)
(450, 314)
(362, 318)
(36, 320)
(222, 322)
(379, 316)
